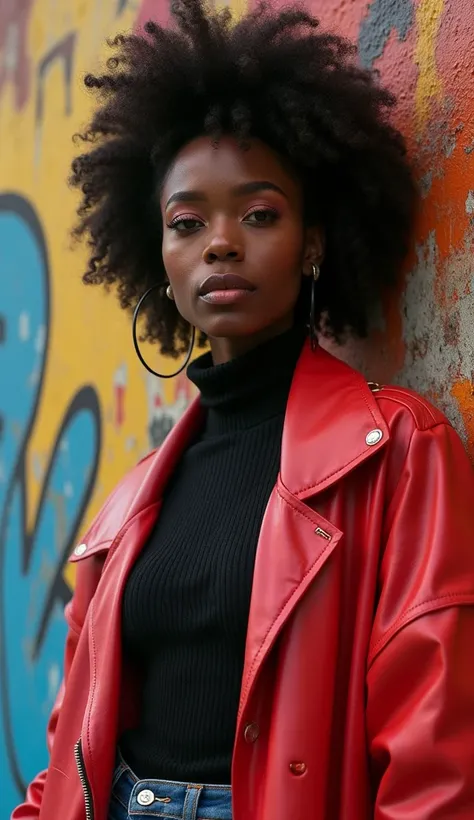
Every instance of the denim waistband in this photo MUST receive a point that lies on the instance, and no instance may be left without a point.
(135, 798)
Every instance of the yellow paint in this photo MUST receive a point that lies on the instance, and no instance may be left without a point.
(429, 84)
(89, 337)
(239, 7)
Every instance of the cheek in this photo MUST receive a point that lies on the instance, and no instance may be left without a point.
(175, 255)
(281, 252)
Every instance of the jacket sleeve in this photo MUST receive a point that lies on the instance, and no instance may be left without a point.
(30, 809)
(88, 573)
(420, 680)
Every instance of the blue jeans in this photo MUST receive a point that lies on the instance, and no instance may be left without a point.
(134, 799)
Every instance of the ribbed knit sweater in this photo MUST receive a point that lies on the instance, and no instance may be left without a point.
(186, 602)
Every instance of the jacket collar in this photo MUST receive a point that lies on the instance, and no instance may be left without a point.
(332, 423)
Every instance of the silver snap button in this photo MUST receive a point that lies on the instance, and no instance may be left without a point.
(373, 437)
(145, 797)
(251, 732)
(80, 549)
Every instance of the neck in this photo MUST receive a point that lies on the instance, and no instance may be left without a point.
(251, 388)
(224, 349)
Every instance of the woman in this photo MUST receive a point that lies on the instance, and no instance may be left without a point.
(281, 598)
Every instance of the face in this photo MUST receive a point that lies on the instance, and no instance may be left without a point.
(234, 243)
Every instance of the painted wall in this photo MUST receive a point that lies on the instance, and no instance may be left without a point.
(76, 410)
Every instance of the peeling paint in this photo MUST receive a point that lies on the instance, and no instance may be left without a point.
(470, 203)
(439, 344)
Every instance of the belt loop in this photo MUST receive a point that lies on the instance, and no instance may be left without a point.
(193, 793)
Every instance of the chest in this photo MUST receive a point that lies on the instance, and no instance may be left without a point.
(193, 577)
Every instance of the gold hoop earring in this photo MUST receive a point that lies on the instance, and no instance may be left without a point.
(169, 293)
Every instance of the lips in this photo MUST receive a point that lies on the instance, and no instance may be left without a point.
(226, 281)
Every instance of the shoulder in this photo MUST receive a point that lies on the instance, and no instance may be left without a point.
(422, 441)
(400, 404)
(115, 511)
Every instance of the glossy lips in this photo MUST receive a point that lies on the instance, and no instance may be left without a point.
(225, 288)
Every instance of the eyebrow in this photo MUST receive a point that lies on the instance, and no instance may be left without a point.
(239, 190)
(256, 187)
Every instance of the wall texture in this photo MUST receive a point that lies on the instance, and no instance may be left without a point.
(76, 410)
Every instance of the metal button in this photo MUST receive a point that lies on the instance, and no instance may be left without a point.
(145, 797)
(251, 732)
(373, 437)
(80, 549)
(298, 768)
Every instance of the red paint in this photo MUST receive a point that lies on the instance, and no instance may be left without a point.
(119, 405)
(152, 10)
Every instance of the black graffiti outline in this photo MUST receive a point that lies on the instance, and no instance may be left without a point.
(85, 398)
(63, 50)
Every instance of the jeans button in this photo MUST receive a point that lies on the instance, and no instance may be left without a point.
(145, 797)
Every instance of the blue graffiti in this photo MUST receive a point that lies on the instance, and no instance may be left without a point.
(382, 18)
(34, 544)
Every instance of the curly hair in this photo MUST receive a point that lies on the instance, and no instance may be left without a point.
(272, 75)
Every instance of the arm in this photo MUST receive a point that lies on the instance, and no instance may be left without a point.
(420, 681)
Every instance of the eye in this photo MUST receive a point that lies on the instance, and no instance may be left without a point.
(185, 224)
(261, 217)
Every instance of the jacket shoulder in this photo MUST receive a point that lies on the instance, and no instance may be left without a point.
(101, 533)
(402, 404)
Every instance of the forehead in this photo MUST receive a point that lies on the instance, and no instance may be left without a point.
(202, 165)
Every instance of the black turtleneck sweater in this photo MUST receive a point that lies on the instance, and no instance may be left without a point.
(186, 602)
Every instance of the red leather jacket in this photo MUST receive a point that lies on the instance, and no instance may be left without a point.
(357, 695)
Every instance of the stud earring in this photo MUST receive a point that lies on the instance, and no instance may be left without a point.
(169, 293)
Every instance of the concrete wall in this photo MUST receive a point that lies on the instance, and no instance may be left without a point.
(424, 51)
(76, 409)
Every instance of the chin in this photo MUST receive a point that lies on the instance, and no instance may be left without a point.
(225, 328)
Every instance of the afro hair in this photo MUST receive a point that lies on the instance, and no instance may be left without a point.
(272, 75)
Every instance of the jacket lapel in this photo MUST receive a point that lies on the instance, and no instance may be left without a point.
(165, 459)
(295, 542)
(141, 488)
(332, 424)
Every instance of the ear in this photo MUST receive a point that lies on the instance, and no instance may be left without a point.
(313, 249)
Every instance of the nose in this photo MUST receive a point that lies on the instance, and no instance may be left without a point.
(222, 248)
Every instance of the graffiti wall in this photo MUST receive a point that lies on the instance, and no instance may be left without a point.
(424, 51)
(76, 410)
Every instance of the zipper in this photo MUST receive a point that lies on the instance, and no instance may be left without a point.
(84, 781)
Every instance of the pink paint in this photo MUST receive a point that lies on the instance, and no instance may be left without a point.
(15, 62)
(120, 387)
